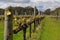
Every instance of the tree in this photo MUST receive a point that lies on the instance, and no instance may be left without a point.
(47, 11)
(1, 11)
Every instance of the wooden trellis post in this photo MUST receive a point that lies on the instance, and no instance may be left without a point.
(8, 33)
(57, 15)
(24, 31)
(38, 21)
(34, 20)
(30, 29)
(34, 25)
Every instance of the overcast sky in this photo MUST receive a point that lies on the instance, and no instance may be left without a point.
(40, 4)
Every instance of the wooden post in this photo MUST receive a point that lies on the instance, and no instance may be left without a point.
(30, 29)
(57, 15)
(34, 11)
(34, 26)
(38, 21)
(16, 14)
(24, 33)
(8, 27)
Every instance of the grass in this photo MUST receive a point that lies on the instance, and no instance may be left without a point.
(18, 36)
(1, 30)
(50, 31)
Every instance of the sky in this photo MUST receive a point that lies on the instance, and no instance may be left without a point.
(40, 4)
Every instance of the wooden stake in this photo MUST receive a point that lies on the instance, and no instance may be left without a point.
(30, 30)
(34, 26)
(24, 33)
(8, 27)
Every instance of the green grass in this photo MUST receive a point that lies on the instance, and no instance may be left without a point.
(18, 36)
(50, 30)
(1, 30)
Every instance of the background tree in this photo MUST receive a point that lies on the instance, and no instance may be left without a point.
(1, 11)
(47, 12)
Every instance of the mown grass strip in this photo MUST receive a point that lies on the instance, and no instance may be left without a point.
(50, 29)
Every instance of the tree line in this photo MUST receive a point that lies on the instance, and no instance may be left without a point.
(52, 12)
(30, 11)
(20, 10)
